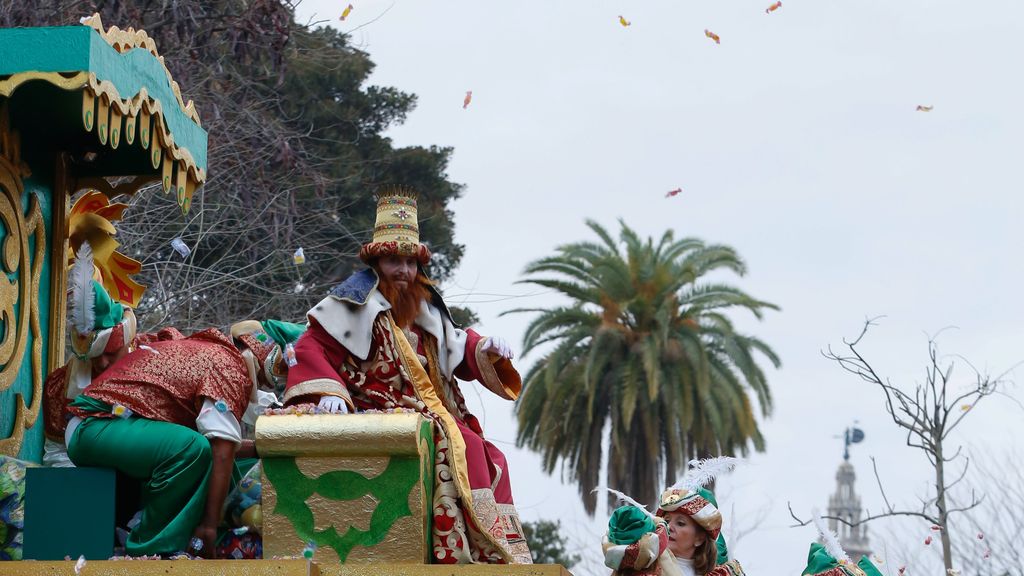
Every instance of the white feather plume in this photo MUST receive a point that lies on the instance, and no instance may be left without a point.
(83, 299)
(703, 472)
(829, 539)
(628, 500)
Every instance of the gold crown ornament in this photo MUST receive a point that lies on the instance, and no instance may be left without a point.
(396, 231)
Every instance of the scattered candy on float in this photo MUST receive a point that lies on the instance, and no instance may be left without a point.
(180, 247)
(713, 36)
(675, 192)
(921, 108)
(221, 406)
(121, 411)
(148, 349)
(623, 21)
(345, 12)
(773, 8)
(79, 565)
(299, 257)
(289, 355)
(927, 541)
(467, 99)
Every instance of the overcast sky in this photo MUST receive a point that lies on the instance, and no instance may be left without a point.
(796, 141)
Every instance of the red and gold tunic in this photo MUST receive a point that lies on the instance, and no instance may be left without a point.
(168, 378)
(417, 368)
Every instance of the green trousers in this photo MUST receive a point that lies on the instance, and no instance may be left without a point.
(173, 463)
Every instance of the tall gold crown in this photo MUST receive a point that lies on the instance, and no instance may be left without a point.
(396, 231)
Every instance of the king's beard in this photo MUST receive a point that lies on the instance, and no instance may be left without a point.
(405, 302)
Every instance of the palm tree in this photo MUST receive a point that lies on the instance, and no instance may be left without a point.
(645, 345)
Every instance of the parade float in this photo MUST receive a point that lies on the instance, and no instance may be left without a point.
(92, 113)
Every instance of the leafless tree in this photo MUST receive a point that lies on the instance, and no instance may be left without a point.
(995, 529)
(928, 412)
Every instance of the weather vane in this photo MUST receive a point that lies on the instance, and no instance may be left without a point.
(852, 435)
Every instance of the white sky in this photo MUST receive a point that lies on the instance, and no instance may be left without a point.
(797, 142)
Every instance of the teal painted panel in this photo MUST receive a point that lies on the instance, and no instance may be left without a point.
(80, 48)
(32, 443)
(53, 49)
(69, 512)
(32, 446)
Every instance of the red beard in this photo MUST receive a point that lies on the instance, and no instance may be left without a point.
(405, 302)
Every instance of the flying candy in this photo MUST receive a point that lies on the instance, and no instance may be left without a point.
(675, 192)
(902, 570)
(965, 407)
(936, 527)
(346, 12)
(987, 554)
(921, 108)
(927, 541)
(773, 7)
(289, 355)
(79, 564)
(299, 257)
(713, 36)
(623, 21)
(180, 247)
(981, 536)
(467, 99)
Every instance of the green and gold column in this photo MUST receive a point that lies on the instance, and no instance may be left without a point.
(358, 485)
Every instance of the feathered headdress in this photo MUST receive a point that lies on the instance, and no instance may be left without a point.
(829, 559)
(629, 500)
(704, 472)
(83, 297)
(829, 539)
(689, 496)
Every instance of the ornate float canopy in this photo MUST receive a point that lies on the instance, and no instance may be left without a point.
(134, 121)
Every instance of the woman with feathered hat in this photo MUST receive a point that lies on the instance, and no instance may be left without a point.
(682, 538)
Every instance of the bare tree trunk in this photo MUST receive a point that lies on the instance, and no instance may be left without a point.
(940, 504)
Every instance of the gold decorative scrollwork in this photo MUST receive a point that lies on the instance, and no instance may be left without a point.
(19, 284)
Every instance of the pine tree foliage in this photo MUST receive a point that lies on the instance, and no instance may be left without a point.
(297, 148)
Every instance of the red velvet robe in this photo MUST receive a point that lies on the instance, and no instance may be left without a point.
(479, 526)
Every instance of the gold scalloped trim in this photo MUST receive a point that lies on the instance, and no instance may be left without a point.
(129, 120)
(143, 120)
(124, 40)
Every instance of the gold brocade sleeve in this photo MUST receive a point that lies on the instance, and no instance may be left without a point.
(457, 449)
(319, 387)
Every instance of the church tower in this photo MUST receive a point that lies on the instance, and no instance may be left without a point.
(845, 503)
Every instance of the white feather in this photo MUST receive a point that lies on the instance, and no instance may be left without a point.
(83, 299)
(625, 498)
(703, 472)
(829, 539)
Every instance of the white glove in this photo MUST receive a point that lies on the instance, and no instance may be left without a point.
(495, 345)
(333, 405)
